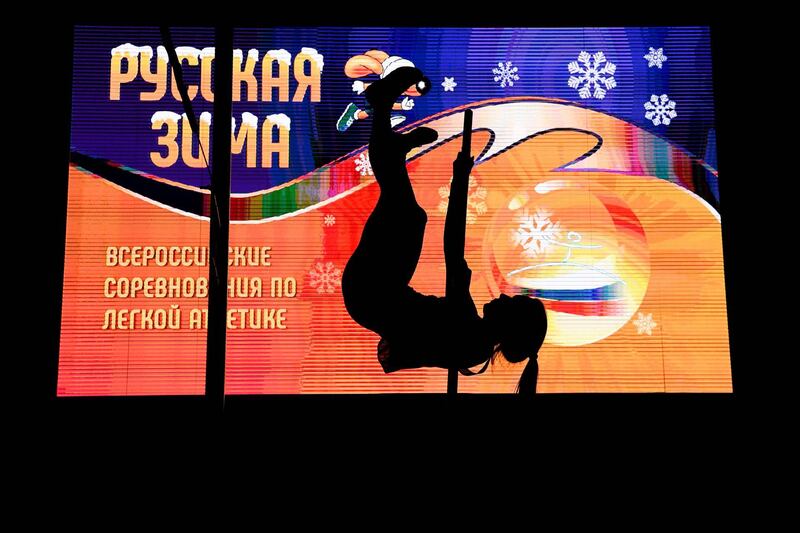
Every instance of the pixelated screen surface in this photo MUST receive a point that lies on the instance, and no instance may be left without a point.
(594, 189)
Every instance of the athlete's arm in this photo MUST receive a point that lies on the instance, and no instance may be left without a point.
(458, 273)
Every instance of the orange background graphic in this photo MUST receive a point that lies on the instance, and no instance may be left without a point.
(670, 257)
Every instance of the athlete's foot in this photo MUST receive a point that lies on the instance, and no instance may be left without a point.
(382, 94)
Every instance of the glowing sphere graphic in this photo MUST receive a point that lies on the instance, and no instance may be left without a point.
(579, 248)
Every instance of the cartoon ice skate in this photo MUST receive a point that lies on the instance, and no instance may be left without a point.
(382, 64)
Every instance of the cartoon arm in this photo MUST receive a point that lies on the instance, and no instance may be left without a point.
(405, 105)
(359, 86)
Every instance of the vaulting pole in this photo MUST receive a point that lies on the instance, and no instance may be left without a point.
(458, 199)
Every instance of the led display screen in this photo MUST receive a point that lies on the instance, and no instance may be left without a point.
(594, 189)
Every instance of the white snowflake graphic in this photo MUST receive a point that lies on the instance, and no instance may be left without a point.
(594, 72)
(536, 232)
(449, 84)
(363, 165)
(655, 58)
(476, 200)
(329, 220)
(644, 324)
(661, 110)
(325, 277)
(505, 74)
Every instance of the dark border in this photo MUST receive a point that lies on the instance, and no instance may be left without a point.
(732, 153)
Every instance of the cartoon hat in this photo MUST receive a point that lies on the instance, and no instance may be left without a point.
(392, 63)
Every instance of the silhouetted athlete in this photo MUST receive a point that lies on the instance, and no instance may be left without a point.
(418, 330)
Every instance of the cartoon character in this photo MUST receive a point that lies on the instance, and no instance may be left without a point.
(382, 64)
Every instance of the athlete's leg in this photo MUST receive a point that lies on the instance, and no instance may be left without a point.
(387, 255)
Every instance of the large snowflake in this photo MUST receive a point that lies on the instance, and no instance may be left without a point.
(363, 165)
(505, 74)
(655, 58)
(645, 324)
(476, 200)
(594, 72)
(536, 232)
(325, 277)
(329, 220)
(661, 110)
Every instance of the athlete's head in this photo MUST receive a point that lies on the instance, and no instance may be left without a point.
(518, 326)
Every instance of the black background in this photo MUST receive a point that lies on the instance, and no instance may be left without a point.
(472, 424)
